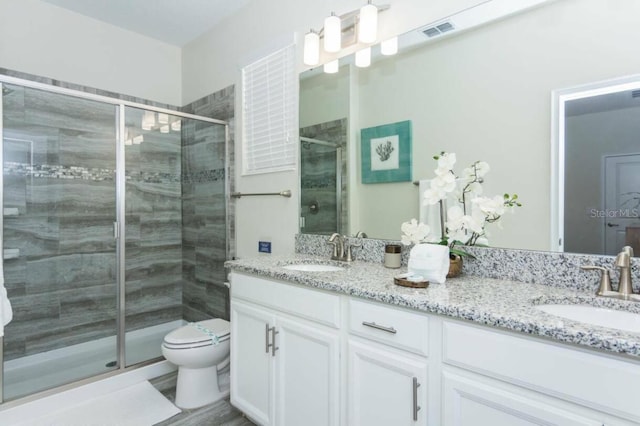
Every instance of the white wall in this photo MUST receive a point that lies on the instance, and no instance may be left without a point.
(215, 60)
(45, 40)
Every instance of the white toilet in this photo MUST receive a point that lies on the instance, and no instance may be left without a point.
(194, 350)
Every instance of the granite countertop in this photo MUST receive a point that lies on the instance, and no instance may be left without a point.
(499, 303)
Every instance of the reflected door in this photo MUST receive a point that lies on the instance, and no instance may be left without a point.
(622, 200)
(59, 207)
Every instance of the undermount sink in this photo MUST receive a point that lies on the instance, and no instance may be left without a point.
(604, 317)
(313, 267)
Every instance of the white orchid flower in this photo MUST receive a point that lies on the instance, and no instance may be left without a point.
(491, 207)
(482, 168)
(415, 232)
(447, 160)
(432, 196)
(446, 183)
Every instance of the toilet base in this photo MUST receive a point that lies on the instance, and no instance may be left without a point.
(197, 387)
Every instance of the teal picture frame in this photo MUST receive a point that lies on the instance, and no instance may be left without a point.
(385, 153)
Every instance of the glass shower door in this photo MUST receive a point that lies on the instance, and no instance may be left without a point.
(59, 207)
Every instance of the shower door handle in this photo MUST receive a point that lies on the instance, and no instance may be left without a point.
(116, 230)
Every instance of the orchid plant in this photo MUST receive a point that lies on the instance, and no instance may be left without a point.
(463, 223)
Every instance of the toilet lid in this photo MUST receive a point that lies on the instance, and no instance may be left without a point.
(197, 332)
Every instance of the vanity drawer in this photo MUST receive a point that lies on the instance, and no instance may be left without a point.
(597, 381)
(308, 303)
(393, 326)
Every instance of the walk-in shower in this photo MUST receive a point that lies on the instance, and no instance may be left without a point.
(112, 211)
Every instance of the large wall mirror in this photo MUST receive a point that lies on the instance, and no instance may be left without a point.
(486, 94)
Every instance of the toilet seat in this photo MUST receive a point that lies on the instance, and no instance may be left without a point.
(195, 335)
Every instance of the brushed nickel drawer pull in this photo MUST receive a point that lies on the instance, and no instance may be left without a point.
(379, 327)
(416, 407)
(266, 338)
(274, 348)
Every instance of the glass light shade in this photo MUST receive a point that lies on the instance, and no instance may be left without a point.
(128, 142)
(363, 57)
(331, 67)
(176, 125)
(148, 120)
(368, 26)
(311, 48)
(389, 47)
(138, 140)
(163, 118)
(332, 34)
(164, 128)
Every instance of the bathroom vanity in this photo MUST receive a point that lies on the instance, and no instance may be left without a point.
(350, 348)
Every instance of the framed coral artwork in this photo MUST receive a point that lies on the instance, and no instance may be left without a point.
(386, 153)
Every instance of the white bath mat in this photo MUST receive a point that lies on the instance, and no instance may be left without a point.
(137, 405)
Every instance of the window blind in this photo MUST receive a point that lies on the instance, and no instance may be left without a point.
(270, 113)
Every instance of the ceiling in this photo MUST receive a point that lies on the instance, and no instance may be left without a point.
(176, 22)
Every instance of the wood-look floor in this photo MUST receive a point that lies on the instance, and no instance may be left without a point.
(220, 413)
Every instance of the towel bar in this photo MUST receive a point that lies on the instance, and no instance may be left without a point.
(285, 193)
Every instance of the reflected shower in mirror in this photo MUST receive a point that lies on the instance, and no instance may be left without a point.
(323, 169)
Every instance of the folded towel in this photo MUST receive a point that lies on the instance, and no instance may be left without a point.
(430, 261)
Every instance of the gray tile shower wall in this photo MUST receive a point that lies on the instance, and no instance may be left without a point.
(60, 183)
(204, 213)
(60, 280)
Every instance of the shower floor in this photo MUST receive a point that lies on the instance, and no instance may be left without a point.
(34, 373)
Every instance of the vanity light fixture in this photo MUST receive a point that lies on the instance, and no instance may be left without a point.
(332, 33)
(176, 126)
(164, 128)
(138, 140)
(331, 67)
(348, 29)
(389, 47)
(311, 48)
(368, 25)
(363, 57)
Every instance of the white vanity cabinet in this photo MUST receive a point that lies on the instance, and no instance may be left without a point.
(503, 379)
(301, 356)
(285, 368)
(388, 367)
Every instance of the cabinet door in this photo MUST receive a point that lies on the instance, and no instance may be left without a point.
(386, 387)
(473, 401)
(307, 374)
(252, 384)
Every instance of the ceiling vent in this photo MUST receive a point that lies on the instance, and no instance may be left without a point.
(436, 30)
(635, 93)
